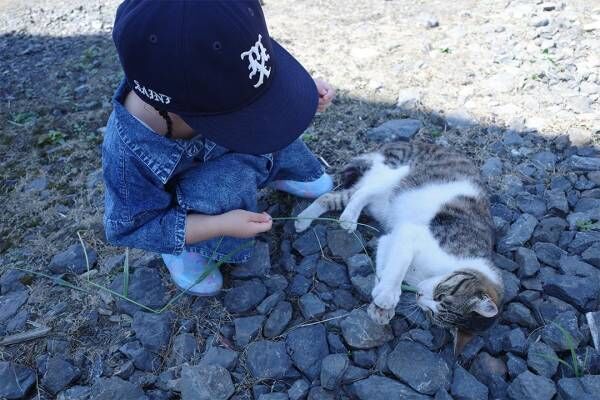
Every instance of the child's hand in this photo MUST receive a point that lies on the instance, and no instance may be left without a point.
(244, 224)
(326, 94)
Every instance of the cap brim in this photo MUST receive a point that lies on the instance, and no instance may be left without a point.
(273, 120)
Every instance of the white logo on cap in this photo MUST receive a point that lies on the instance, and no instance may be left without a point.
(257, 57)
(151, 94)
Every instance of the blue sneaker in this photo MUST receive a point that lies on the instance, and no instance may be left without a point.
(187, 267)
(308, 190)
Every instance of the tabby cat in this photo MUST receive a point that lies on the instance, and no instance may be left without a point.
(438, 232)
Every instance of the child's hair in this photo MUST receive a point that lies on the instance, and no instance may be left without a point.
(168, 120)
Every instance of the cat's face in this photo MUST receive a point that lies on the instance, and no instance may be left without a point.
(464, 299)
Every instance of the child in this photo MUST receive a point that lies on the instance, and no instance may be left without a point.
(209, 112)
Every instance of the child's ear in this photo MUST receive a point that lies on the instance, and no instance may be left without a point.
(486, 307)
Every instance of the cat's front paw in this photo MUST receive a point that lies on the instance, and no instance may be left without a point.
(380, 315)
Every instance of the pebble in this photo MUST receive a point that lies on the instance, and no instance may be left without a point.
(394, 130)
(361, 332)
(267, 360)
(205, 382)
(72, 260)
(245, 297)
(307, 346)
(424, 371)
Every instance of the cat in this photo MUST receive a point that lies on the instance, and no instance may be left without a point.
(438, 233)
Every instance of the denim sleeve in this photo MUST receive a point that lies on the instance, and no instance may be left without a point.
(139, 211)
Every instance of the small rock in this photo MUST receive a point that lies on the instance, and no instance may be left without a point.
(394, 130)
(278, 320)
(247, 328)
(307, 346)
(466, 387)
(15, 380)
(245, 297)
(298, 390)
(153, 330)
(311, 306)
(424, 371)
(116, 389)
(332, 274)
(267, 360)
(205, 382)
(333, 368)
(542, 359)
(361, 332)
(379, 387)
(586, 387)
(219, 356)
(529, 386)
(258, 266)
(72, 260)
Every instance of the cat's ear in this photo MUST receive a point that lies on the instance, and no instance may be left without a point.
(486, 307)
(461, 339)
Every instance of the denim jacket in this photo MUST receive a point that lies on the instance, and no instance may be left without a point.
(143, 210)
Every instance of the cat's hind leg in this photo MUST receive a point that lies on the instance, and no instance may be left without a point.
(399, 254)
(333, 201)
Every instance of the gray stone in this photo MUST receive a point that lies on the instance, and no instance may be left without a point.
(379, 387)
(519, 314)
(515, 365)
(247, 328)
(548, 253)
(528, 386)
(361, 332)
(492, 167)
(333, 368)
(393, 130)
(312, 241)
(563, 332)
(332, 274)
(311, 306)
(424, 371)
(307, 346)
(153, 330)
(73, 260)
(145, 287)
(245, 297)
(515, 341)
(542, 359)
(592, 255)
(580, 292)
(528, 262)
(298, 390)
(15, 380)
(278, 320)
(363, 285)
(116, 389)
(531, 204)
(299, 285)
(205, 382)
(344, 244)
(271, 301)
(466, 387)
(59, 373)
(10, 304)
(267, 360)
(142, 359)
(220, 356)
(578, 163)
(258, 266)
(586, 387)
(519, 232)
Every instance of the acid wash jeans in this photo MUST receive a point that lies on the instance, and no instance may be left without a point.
(153, 182)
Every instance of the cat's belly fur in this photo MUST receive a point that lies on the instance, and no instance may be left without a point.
(417, 207)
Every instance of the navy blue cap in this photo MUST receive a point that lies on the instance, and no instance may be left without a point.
(214, 64)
